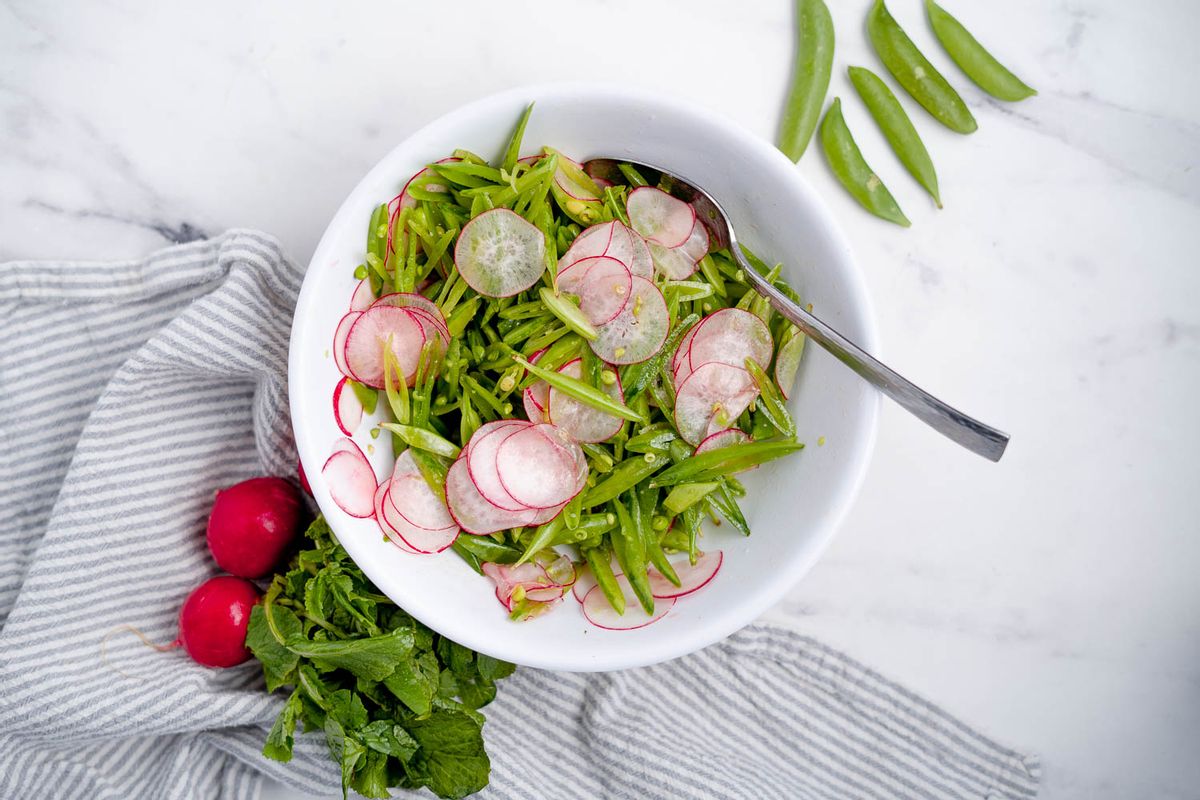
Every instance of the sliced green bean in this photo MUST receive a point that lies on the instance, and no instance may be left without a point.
(581, 391)
(810, 77)
(852, 171)
(973, 59)
(897, 128)
(914, 72)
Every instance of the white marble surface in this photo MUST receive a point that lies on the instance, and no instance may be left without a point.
(1051, 599)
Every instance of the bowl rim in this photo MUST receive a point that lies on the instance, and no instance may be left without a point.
(776, 585)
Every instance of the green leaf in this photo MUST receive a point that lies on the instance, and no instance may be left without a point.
(411, 686)
(346, 707)
(451, 761)
(388, 737)
(493, 669)
(374, 658)
(278, 663)
(344, 749)
(371, 780)
(282, 735)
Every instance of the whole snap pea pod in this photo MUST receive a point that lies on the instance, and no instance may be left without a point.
(914, 72)
(897, 128)
(852, 170)
(810, 77)
(971, 57)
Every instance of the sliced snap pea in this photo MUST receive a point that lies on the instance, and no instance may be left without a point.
(810, 77)
(852, 171)
(394, 386)
(368, 397)
(513, 151)
(485, 548)
(973, 59)
(423, 439)
(897, 128)
(724, 461)
(568, 312)
(542, 538)
(727, 505)
(599, 559)
(685, 495)
(914, 72)
(581, 391)
(625, 476)
(654, 553)
(691, 526)
(630, 549)
(433, 469)
(770, 400)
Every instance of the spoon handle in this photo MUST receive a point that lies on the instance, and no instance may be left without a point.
(972, 434)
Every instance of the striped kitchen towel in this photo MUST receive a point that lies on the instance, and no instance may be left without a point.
(130, 392)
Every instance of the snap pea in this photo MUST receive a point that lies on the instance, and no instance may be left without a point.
(581, 391)
(423, 439)
(625, 476)
(770, 401)
(723, 461)
(685, 495)
(636, 377)
(914, 72)
(647, 502)
(542, 538)
(484, 548)
(810, 77)
(602, 460)
(727, 505)
(394, 386)
(630, 550)
(653, 440)
(433, 469)
(513, 151)
(599, 559)
(568, 312)
(852, 171)
(367, 396)
(971, 57)
(691, 526)
(897, 128)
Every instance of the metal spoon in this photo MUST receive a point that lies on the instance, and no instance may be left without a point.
(951, 423)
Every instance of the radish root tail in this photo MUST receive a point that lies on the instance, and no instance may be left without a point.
(162, 648)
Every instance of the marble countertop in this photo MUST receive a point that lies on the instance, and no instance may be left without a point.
(1052, 599)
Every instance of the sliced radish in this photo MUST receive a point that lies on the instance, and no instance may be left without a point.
(582, 422)
(603, 183)
(787, 362)
(351, 482)
(363, 296)
(434, 327)
(410, 499)
(603, 289)
(540, 466)
(347, 409)
(691, 576)
(602, 615)
(711, 399)
(408, 201)
(411, 300)
(347, 445)
(680, 358)
(339, 340)
(672, 262)
(500, 254)
(730, 336)
(725, 438)
(405, 465)
(481, 463)
(628, 247)
(697, 244)
(660, 217)
(470, 510)
(584, 582)
(391, 533)
(639, 331)
(536, 398)
(560, 569)
(371, 333)
(542, 516)
(591, 242)
(570, 185)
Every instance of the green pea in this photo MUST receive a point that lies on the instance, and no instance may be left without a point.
(914, 72)
(897, 128)
(971, 57)
(852, 170)
(810, 77)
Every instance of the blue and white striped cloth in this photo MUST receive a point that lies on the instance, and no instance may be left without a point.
(130, 392)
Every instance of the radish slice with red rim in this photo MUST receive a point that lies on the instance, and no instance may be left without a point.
(481, 462)
(410, 497)
(591, 242)
(351, 482)
(714, 395)
(470, 510)
(582, 422)
(500, 254)
(412, 300)
(391, 533)
(787, 362)
(660, 217)
(347, 445)
(363, 296)
(570, 185)
(730, 336)
(602, 615)
(536, 396)
(603, 289)
(347, 409)
(628, 247)
(696, 246)
(540, 466)
(725, 438)
(432, 327)
(583, 583)
(339, 341)
(371, 333)
(542, 516)
(639, 330)
(407, 200)
(672, 262)
(691, 576)
(679, 360)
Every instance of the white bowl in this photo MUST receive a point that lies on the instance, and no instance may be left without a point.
(794, 505)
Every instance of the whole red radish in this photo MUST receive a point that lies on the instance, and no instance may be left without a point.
(252, 523)
(213, 620)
